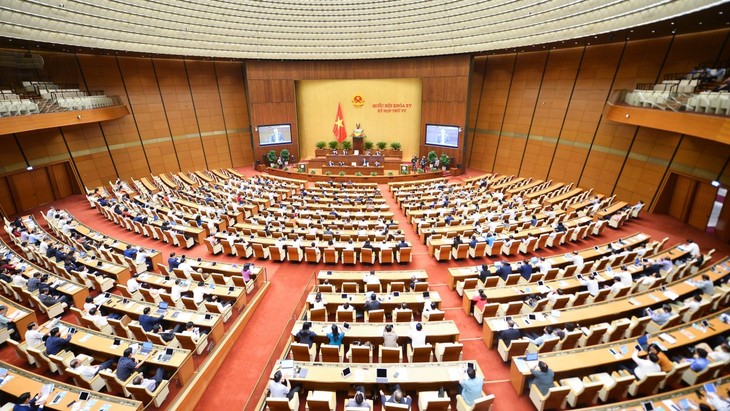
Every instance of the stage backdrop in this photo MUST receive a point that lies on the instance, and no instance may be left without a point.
(387, 110)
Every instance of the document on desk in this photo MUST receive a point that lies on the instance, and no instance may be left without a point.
(670, 294)
(671, 405)
(521, 365)
(667, 338)
(498, 325)
(633, 301)
(563, 284)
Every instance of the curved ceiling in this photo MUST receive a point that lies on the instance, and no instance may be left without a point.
(325, 29)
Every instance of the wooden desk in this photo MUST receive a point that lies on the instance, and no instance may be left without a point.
(457, 274)
(507, 184)
(609, 310)
(414, 301)
(258, 273)
(546, 190)
(237, 296)
(25, 381)
(24, 317)
(133, 309)
(569, 285)
(351, 170)
(97, 344)
(411, 376)
(673, 397)
(337, 277)
(608, 211)
(565, 196)
(436, 331)
(517, 190)
(579, 362)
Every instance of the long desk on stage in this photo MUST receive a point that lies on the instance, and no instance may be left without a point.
(365, 170)
(388, 163)
(595, 313)
(571, 362)
(436, 331)
(19, 381)
(336, 278)
(411, 376)
(414, 301)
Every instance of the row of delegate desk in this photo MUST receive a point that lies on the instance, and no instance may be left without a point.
(604, 311)
(338, 277)
(457, 274)
(389, 302)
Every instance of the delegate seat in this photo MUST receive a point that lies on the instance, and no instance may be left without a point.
(483, 403)
(554, 400)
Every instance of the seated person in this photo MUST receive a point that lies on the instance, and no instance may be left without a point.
(306, 335)
(55, 343)
(335, 336)
(542, 377)
(662, 315)
(645, 366)
(281, 388)
(358, 401)
(149, 383)
(147, 322)
(397, 397)
(471, 386)
(88, 372)
(699, 361)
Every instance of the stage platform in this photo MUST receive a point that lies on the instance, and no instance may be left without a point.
(380, 179)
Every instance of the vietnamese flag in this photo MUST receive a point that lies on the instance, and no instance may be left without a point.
(338, 129)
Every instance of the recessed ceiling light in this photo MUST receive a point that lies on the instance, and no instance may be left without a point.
(700, 23)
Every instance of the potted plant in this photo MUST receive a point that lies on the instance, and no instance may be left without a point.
(390, 173)
(271, 158)
(381, 145)
(359, 174)
(327, 173)
(342, 173)
(395, 146)
(444, 160)
(368, 145)
(373, 173)
(333, 144)
(285, 156)
(312, 172)
(321, 149)
(431, 157)
(347, 144)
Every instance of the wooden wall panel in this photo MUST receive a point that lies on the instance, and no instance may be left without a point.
(702, 202)
(31, 188)
(176, 95)
(7, 200)
(690, 50)
(43, 146)
(11, 159)
(554, 96)
(90, 154)
(235, 111)
(204, 87)
(102, 73)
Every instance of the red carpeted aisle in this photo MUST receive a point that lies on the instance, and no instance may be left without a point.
(261, 341)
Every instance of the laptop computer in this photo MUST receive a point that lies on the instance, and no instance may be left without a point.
(643, 342)
(167, 356)
(531, 356)
(146, 348)
(426, 295)
(346, 372)
(381, 376)
(162, 308)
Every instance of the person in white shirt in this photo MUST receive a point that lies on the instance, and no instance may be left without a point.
(645, 366)
(99, 320)
(141, 257)
(544, 265)
(185, 266)
(617, 286)
(133, 285)
(692, 248)
(192, 331)
(624, 276)
(319, 302)
(176, 290)
(418, 335)
(350, 245)
(577, 261)
(89, 304)
(33, 337)
(649, 280)
(88, 372)
(591, 284)
(200, 292)
(694, 303)
(371, 278)
(19, 280)
(345, 307)
(429, 308)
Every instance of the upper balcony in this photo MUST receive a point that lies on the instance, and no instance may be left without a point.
(705, 114)
(36, 109)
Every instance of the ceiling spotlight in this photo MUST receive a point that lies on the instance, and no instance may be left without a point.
(715, 183)
(29, 168)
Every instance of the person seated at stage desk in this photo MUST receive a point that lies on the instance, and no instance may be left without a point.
(365, 162)
(331, 163)
(334, 152)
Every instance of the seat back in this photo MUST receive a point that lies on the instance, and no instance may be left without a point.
(372, 288)
(390, 355)
(404, 315)
(138, 332)
(278, 404)
(330, 256)
(367, 256)
(359, 354)
(548, 344)
(479, 250)
(589, 393)
(386, 256)
(330, 353)
(513, 308)
(404, 255)
(276, 253)
(399, 286)
(258, 251)
(345, 316)
(647, 386)
(294, 254)
(391, 406)
(484, 403)
(443, 253)
(350, 287)
(300, 352)
(348, 257)
(422, 354)
(452, 352)
(435, 316)
(462, 251)
(570, 340)
(375, 316)
(555, 399)
(438, 404)
(318, 314)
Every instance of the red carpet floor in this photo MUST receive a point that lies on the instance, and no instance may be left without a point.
(235, 385)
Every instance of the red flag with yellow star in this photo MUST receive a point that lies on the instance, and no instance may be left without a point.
(338, 129)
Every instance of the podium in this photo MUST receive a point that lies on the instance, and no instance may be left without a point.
(358, 144)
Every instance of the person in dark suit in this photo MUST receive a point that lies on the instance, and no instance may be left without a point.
(473, 242)
(373, 304)
(456, 242)
(511, 333)
(28, 403)
(525, 269)
(503, 270)
(148, 322)
(484, 273)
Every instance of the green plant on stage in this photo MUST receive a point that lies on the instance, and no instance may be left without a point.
(328, 173)
(312, 172)
(368, 145)
(359, 174)
(395, 145)
(420, 171)
(381, 145)
(373, 173)
(271, 157)
(333, 144)
(431, 157)
(321, 144)
(390, 173)
(300, 170)
(444, 160)
(347, 144)
(285, 154)
(342, 173)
